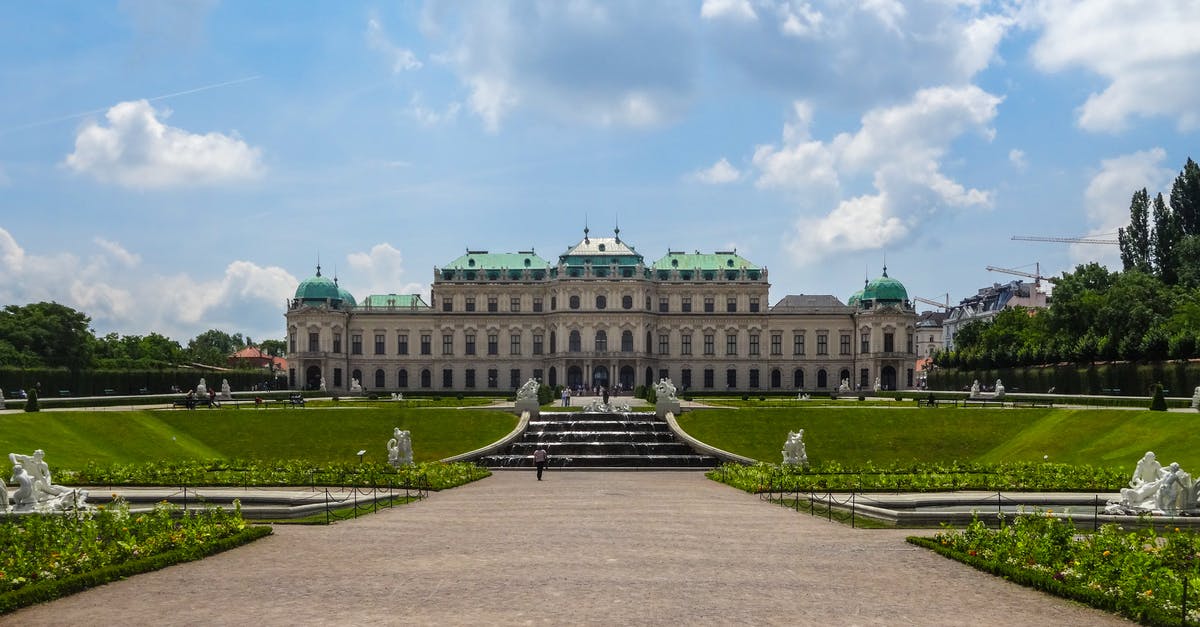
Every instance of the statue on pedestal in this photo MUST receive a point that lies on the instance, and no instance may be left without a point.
(400, 448)
(794, 453)
(226, 392)
(999, 389)
(37, 491)
(975, 389)
(1195, 399)
(321, 386)
(201, 389)
(355, 387)
(878, 386)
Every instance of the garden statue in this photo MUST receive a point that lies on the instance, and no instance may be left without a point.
(4, 508)
(1175, 492)
(529, 390)
(844, 388)
(975, 389)
(793, 449)
(2, 405)
(321, 385)
(999, 389)
(201, 389)
(664, 390)
(397, 396)
(226, 392)
(1157, 490)
(1195, 399)
(801, 396)
(41, 493)
(355, 386)
(878, 386)
(400, 448)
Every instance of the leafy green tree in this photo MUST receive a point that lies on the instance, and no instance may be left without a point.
(56, 335)
(1162, 241)
(1134, 239)
(1187, 261)
(277, 348)
(1078, 298)
(31, 401)
(1185, 198)
(213, 347)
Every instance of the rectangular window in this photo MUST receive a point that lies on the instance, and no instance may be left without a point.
(493, 305)
(537, 304)
(685, 344)
(447, 304)
(889, 343)
(754, 347)
(686, 305)
(663, 373)
(355, 344)
(470, 350)
(797, 343)
(514, 303)
(470, 377)
(709, 344)
(514, 344)
(753, 304)
(447, 344)
(910, 344)
(910, 377)
(447, 378)
(337, 377)
(426, 344)
(754, 378)
(822, 344)
(537, 374)
(553, 303)
(470, 303)
(731, 344)
(314, 342)
(685, 378)
(731, 378)
(708, 378)
(662, 305)
(493, 378)
(337, 342)
(708, 304)
(514, 378)
(863, 375)
(538, 344)
(493, 344)
(731, 304)
(402, 344)
(776, 343)
(844, 343)
(865, 344)
(379, 350)
(292, 343)
(664, 344)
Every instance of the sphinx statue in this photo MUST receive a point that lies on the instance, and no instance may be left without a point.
(794, 453)
(201, 389)
(1195, 399)
(355, 386)
(975, 389)
(999, 389)
(226, 392)
(665, 390)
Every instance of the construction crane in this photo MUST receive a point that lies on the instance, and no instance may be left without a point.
(945, 305)
(1036, 275)
(1064, 240)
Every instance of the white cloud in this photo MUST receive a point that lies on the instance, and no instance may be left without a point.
(1107, 197)
(113, 287)
(1016, 156)
(899, 147)
(721, 172)
(619, 64)
(137, 150)
(1147, 51)
(380, 267)
(401, 59)
(431, 117)
(739, 10)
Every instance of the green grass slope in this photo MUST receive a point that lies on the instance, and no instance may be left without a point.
(71, 439)
(853, 435)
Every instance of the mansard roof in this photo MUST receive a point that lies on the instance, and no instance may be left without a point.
(483, 260)
(393, 301)
(720, 260)
(809, 303)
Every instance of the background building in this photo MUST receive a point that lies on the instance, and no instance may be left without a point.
(600, 316)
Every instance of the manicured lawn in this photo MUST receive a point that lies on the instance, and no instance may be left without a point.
(71, 439)
(883, 435)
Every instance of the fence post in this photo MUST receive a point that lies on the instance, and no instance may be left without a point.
(829, 506)
(853, 506)
(326, 506)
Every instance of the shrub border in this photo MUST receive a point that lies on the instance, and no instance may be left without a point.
(1145, 614)
(50, 589)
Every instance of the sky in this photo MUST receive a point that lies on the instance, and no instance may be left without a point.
(175, 167)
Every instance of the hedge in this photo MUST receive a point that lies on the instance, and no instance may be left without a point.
(1179, 378)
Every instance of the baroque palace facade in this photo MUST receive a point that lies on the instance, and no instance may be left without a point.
(600, 316)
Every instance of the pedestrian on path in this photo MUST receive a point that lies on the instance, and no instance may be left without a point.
(539, 460)
(566, 397)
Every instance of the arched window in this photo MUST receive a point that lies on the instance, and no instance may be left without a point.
(574, 302)
(379, 379)
(574, 342)
(553, 342)
(649, 344)
(626, 302)
(798, 379)
(601, 341)
(822, 379)
(776, 379)
(402, 378)
(601, 302)
(627, 341)
(426, 378)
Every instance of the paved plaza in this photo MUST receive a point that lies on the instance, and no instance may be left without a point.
(610, 548)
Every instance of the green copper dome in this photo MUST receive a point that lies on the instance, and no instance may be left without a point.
(885, 289)
(317, 289)
(855, 298)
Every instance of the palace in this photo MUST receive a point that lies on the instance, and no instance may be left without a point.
(600, 316)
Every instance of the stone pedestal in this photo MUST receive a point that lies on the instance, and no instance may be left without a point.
(665, 405)
(528, 405)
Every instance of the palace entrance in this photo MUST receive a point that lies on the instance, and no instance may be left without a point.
(600, 376)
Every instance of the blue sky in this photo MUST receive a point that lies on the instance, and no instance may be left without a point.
(181, 166)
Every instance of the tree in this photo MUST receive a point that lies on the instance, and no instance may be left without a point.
(1185, 198)
(277, 348)
(1134, 240)
(1162, 241)
(213, 347)
(54, 334)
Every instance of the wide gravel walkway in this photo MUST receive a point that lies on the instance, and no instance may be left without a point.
(610, 548)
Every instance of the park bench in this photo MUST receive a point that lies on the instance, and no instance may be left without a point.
(183, 402)
(927, 402)
(294, 400)
(64, 392)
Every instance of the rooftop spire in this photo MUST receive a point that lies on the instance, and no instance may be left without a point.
(585, 230)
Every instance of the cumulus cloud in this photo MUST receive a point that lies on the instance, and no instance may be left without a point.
(426, 116)
(899, 147)
(619, 64)
(381, 266)
(112, 286)
(860, 53)
(401, 59)
(1107, 197)
(1016, 156)
(1146, 51)
(138, 150)
(721, 172)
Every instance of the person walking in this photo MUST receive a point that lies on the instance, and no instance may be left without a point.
(539, 460)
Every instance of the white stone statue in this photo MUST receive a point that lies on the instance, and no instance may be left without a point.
(664, 390)
(321, 387)
(41, 494)
(226, 392)
(878, 386)
(999, 389)
(397, 396)
(1175, 493)
(355, 386)
(975, 389)
(399, 448)
(529, 390)
(844, 388)
(794, 453)
(1158, 490)
(801, 396)
(201, 389)
(1195, 399)
(4, 508)
(2, 407)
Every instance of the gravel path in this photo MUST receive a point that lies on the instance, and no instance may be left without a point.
(577, 548)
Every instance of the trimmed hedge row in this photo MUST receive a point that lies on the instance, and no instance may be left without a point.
(48, 590)
(1115, 378)
(124, 382)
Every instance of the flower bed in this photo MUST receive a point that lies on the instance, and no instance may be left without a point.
(439, 476)
(1141, 574)
(48, 556)
(922, 477)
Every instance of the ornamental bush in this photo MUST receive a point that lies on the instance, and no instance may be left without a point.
(1159, 402)
(31, 403)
